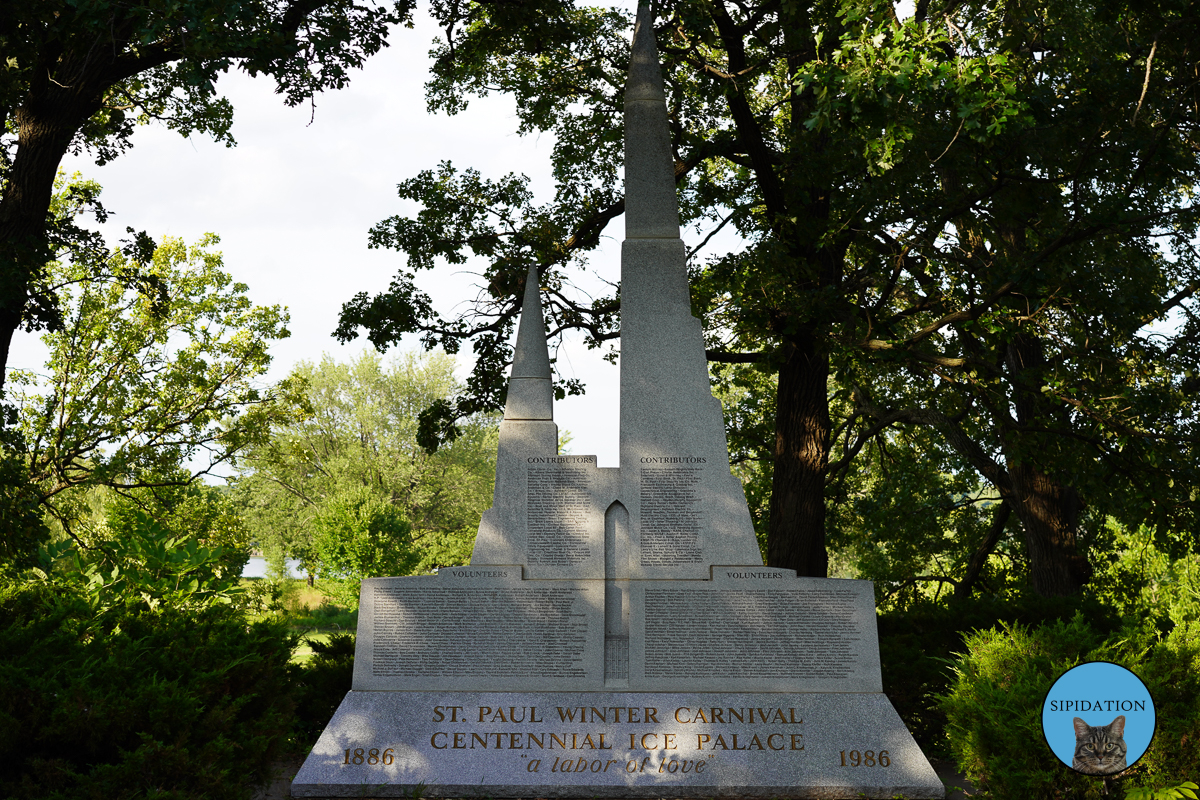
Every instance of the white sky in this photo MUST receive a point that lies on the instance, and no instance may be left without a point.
(293, 202)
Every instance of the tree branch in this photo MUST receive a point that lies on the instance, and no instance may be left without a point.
(980, 556)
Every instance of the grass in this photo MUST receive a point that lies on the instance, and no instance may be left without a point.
(309, 612)
(304, 651)
(302, 596)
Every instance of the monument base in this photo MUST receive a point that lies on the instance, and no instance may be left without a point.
(616, 744)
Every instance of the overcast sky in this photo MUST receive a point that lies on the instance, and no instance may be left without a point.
(293, 202)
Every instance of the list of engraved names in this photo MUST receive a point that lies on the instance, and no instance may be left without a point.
(560, 510)
(751, 633)
(479, 632)
(671, 515)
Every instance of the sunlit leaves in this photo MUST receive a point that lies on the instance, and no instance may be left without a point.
(157, 364)
(355, 451)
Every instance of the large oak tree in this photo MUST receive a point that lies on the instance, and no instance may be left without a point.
(968, 220)
(79, 76)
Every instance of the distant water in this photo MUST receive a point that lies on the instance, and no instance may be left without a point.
(256, 567)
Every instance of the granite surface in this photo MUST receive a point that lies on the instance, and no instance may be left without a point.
(745, 629)
(544, 744)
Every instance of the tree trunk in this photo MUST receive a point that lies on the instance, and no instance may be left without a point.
(1049, 513)
(796, 539)
(47, 122)
(1048, 508)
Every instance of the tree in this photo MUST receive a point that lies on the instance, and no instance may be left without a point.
(78, 76)
(351, 468)
(146, 388)
(357, 535)
(184, 551)
(942, 214)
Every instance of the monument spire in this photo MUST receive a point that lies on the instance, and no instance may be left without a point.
(686, 509)
(651, 207)
(527, 432)
(530, 385)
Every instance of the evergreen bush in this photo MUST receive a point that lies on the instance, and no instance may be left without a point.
(1170, 668)
(994, 706)
(324, 681)
(917, 647)
(159, 704)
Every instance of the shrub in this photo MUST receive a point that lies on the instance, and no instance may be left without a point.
(324, 617)
(356, 536)
(994, 705)
(152, 704)
(1171, 670)
(147, 567)
(21, 527)
(324, 681)
(917, 647)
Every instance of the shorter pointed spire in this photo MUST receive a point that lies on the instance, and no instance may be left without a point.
(530, 386)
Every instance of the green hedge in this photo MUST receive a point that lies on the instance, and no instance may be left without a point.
(917, 648)
(994, 706)
(154, 705)
(326, 678)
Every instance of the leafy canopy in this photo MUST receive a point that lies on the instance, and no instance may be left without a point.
(979, 220)
(157, 366)
(334, 486)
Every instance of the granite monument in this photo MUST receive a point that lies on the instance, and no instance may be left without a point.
(616, 633)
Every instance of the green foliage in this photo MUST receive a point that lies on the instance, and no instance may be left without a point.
(324, 617)
(911, 515)
(1155, 574)
(323, 684)
(355, 452)
(22, 529)
(155, 366)
(1184, 791)
(918, 643)
(161, 62)
(747, 395)
(359, 536)
(144, 567)
(1168, 665)
(195, 510)
(169, 704)
(993, 708)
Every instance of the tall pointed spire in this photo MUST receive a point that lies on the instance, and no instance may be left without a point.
(530, 386)
(651, 208)
(686, 509)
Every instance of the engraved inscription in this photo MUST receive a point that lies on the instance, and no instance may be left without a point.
(559, 514)
(371, 757)
(866, 758)
(485, 632)
(616, 658)
(751, 633)
(671, 515)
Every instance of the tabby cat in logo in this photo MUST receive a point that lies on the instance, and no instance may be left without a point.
(1099, 749)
